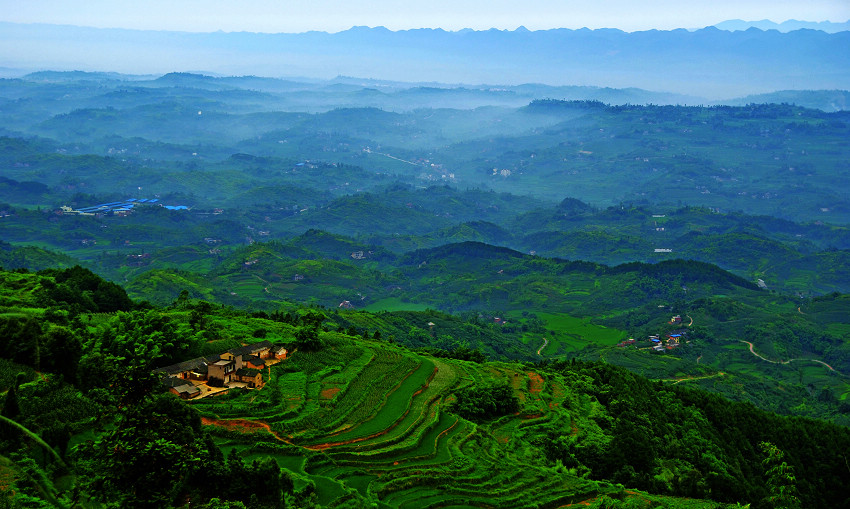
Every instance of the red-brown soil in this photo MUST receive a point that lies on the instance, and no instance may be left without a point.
(329, 393)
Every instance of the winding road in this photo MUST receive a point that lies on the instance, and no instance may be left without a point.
(545, 342)
(783, 362)
(691, 378)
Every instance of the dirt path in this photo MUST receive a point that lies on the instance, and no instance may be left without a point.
(689, 379)
(369, 151)
(698, 358)
(545, 342)
(265, 288)
(583, 503)
(243, 426)
(692, 321)
(784, 362)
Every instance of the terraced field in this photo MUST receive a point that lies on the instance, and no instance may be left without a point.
(367, 423)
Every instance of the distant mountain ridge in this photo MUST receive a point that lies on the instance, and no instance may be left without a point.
(709, 62)
(302, 94)
(786, 26)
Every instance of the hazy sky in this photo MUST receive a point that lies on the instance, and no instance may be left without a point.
(338, 15)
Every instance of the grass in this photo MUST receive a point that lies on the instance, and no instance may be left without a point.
(572, 333)
(359, 482)
(327, 489)
(395, 304)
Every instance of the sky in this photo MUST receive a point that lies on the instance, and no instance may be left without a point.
(295, 16)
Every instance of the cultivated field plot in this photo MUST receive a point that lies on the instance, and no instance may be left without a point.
(366, 423)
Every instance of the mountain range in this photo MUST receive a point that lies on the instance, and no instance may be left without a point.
(709, 62)
(786, 26)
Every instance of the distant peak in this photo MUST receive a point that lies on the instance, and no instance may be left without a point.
(363, 28)
(790, 25)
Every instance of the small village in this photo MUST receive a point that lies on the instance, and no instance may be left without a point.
(670, 341)
(117, 208)
(216, 374)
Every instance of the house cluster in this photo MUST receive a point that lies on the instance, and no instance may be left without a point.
(117, 208)
(137, 260)
(670, 341)
(242, 366)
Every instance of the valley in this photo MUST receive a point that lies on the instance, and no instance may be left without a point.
(486, 298)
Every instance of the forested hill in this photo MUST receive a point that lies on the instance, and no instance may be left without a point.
(352, 418)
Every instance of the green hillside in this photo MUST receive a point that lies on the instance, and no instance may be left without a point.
(351, 418)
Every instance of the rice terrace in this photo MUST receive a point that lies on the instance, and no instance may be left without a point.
(372, 422)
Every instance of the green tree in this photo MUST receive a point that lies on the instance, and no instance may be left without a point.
(11, 407)
(480, 403)
(307, 339)
(61, 352)
(779, 478)
(148, 459)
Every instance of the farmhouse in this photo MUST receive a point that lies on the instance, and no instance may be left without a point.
(182, 388)
(253, 377)
(676, 336)
(195, 369)
(253, 362)
(241, 364)
(262, 350)
(222, 370)
(279, 352)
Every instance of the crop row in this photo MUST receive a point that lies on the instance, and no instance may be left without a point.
(367, 399)
(386, 434)
(421, 413)
(387, 415)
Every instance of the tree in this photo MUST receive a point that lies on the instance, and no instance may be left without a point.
(61, 352)
(149, 458)
(480, 403)
(19, 340)
(11, 407)
(779, 478)
(182, 300)
(307, 339)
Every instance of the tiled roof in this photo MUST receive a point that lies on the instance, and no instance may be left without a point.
(252, 348)
(180, 367)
